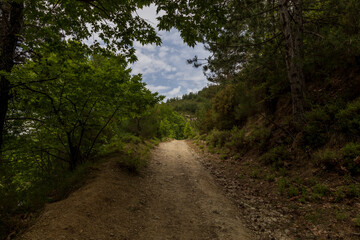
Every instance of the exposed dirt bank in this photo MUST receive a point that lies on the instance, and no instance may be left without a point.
(174, 198)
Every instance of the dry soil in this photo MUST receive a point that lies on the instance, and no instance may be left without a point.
(174, 198)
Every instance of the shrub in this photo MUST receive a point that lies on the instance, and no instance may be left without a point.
(224, 156)
(320, 191)
(326, 158)
(283, 184)
(339, 194)
(134, 159)
(357, 221)
(275, 157)
(351, 156)
(291, 188)
(188, 131)
(237, 139)
(202, 137)
(317, 127)
(155, 141)
(223, 105)
(115, 144)
(353, 191)
(217, 138)
(293, 191)
(255, 173)
(129, 138)
(348, 119)
(26, 193)
(270, 177)
(341, 216)
(259, 136)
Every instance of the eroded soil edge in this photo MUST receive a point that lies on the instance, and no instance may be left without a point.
(174, 198)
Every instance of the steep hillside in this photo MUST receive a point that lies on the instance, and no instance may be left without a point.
(311, 173)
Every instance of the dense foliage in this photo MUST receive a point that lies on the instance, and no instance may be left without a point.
(266, 54)
(69, 106)
(285, 76)
(284, 107)
(271, 46)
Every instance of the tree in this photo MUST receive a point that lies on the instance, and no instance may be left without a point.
(188, 131)
(240, 34)
(291, 16)
(64, 100)
(26, 25)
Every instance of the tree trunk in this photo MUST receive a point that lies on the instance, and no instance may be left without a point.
(292, 27)
(74, 154)
(11, 24)
(138, 126)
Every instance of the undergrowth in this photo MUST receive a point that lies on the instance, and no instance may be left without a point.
(21, 200)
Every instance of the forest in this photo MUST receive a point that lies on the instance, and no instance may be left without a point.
(66, 104)
(283, 89)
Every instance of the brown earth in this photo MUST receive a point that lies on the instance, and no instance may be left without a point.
(271, 215)
(174, 198)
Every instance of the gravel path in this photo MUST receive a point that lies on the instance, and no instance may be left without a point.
(175, 198)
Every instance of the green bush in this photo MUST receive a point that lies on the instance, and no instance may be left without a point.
(353, 191)
(275, 157)
(255, 173)
(341, 216)
(188, 131)
(116, 144)
(316, 130)
(283, 184)
(202, 137)
(134, 157)
(22, 193)
(326, 158)
(270, 177)
(348, 119)
(291, 188)
(339, 194)
(293, 191)
(132, 162)
(155, 141)
(129, 138)
(357, 221)
(351, 156)
(217, 138)
(259, 136)
(320, 191)
(237, 139)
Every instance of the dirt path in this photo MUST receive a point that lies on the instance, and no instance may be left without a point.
(175, 199)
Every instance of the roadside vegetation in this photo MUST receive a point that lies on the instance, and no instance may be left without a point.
(68, 100)
(70, 110)
(248, 116)
(283, 106)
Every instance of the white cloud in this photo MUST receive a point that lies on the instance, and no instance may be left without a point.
(194, 90)
(157, 88)
(149, 63)
(165, 67)
(149, 14)
(175, 92)
(148, 47)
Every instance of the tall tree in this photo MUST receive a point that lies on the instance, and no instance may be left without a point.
(291, 16)
(66, 99)
(243, 33)
(11, 18)
(28, 24)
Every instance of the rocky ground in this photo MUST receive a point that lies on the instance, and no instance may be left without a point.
(270, 215)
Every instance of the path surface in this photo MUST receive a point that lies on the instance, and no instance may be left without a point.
(175, 199)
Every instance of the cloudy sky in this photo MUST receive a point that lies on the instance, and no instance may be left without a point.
(164, 68)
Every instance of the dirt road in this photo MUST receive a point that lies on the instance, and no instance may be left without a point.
(175, 199)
